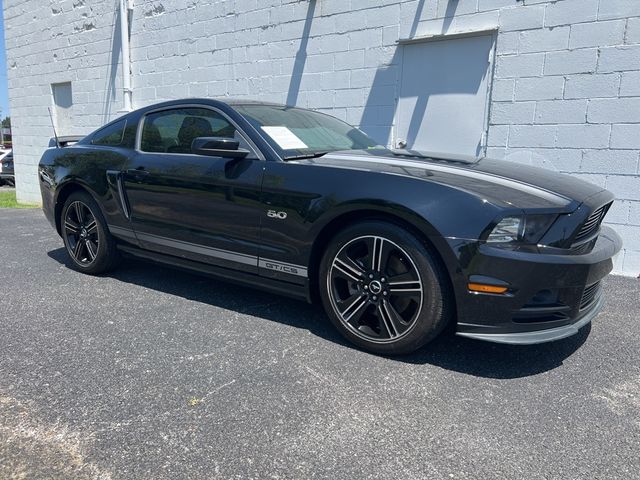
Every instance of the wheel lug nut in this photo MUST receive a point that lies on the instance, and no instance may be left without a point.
(371, 275)
(385, 293)
(366, 287)
(374, 298)
(382, 279)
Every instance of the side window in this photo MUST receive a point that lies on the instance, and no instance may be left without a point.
(130, 132)
(173, 131)
(110, 136)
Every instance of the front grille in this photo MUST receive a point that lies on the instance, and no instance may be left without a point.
(592, 224)
(582, 248)
(590, 295)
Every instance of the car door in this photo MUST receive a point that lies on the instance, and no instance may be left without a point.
(199, 207)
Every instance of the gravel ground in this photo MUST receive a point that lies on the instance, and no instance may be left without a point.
(156, 373)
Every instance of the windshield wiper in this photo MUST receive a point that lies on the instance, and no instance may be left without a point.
(306, 155)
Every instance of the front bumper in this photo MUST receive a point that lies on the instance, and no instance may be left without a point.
(550, 296)
(539, 336)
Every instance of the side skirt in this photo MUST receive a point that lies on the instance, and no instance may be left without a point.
(300, 292)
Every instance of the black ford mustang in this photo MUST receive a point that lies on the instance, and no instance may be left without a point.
(395, 243)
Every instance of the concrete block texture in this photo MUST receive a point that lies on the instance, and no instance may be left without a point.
(625, 136)
(618, 9)
(521, 18)
(610, 161)
(630, 84)
(571, 61)
(568, 12)
(512, 113)
(540, 88)
(515, 66)
(583, 136)
(564, 82)
(597, 34)
(561, 111)
(633, 31)
(544, 40)
(614, 110)
(618, 59)
(592, 85)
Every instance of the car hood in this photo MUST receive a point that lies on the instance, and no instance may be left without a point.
(503, 183)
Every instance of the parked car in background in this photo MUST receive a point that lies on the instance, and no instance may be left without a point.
(396, 244)
(7, 173)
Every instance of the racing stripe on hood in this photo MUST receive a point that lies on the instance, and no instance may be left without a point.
(464, 172)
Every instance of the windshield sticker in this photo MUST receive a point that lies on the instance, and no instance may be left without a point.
(285, 138)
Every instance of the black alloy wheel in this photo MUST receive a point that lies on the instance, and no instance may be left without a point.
(383, 288)
(91, 247)
(375, 288)
(81, 231)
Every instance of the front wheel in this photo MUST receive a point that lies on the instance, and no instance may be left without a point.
(383, 289)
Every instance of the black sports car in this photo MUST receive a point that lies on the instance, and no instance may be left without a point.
(396, 244)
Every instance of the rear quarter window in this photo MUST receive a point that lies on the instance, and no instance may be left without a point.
(111, 135)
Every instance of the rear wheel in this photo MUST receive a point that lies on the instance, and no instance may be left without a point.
(90, 245)
(383, 289)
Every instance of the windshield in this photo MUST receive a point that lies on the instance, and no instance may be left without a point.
(295, 132)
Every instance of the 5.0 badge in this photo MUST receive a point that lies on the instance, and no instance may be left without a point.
(278, 215)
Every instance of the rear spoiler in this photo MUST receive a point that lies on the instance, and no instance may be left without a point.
(66, 141)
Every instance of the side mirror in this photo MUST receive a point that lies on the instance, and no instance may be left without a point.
(218, 147)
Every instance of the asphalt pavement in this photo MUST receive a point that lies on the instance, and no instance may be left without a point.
(154, 373)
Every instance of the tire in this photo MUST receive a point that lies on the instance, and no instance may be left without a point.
(89, 244)
(383, 289)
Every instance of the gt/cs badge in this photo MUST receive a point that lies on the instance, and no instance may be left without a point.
(278, 215)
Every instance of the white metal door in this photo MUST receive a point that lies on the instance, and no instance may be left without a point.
(443, 100)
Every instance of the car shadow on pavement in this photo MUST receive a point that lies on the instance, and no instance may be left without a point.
(471, 357)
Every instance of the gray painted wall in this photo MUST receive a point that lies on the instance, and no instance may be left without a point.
(565, 87)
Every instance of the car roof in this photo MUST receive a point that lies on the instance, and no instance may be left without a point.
(232, 102)
(213, 102)
(239, 101)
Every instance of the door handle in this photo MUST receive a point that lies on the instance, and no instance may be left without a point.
(137, 173)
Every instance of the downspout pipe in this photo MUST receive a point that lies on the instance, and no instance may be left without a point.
(126, 6)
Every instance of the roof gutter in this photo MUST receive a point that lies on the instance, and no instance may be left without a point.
(126, 7)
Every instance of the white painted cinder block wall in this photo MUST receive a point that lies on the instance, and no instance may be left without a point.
(565, 94)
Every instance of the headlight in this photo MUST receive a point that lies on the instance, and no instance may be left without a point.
(526, 229)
